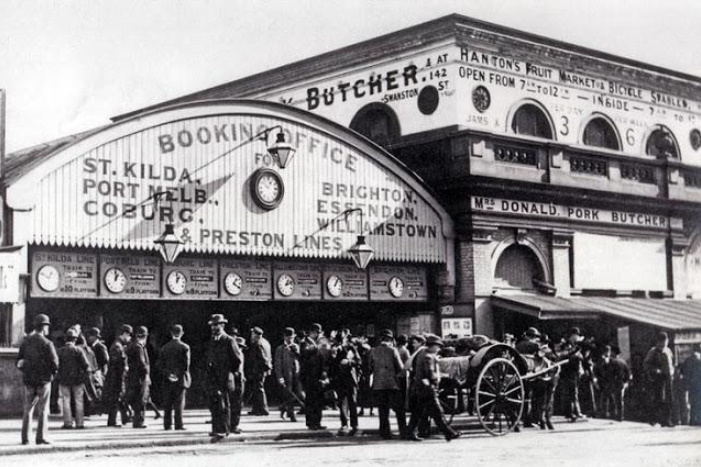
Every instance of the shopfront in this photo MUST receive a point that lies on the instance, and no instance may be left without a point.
(264, 245)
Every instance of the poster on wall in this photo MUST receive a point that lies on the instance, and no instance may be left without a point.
(296, 281)
(191, 279)
(398, 283)
(133, 276)
(344, 282)
(245, 280)
(456, 327)
(64, 274)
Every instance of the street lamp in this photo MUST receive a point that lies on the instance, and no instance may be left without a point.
(361, 253)
(281, 151)
(169, 245)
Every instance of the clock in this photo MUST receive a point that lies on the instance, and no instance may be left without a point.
(115, 280)
(48, 278)
(233, 283)
(396, 287)
(334, 285)
(481, 98)
(285, 285)
(176, 282)
(267, 188)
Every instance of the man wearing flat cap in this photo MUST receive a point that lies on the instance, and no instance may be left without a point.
(386, 369)
(38, 361)
(424, 386)
(114, 391)
(259, 367)
(223, 359)
(174, 366)
(138, 376)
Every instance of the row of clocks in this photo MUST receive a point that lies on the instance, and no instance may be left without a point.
(334, 286)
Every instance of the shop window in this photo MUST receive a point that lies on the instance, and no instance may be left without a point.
(531, 120)
(601, 134)
(378, 123)
(662, 144)
(517, 267)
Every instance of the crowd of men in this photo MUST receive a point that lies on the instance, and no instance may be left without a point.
(314, 371)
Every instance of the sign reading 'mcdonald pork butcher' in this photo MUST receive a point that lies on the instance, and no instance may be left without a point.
(206, 169)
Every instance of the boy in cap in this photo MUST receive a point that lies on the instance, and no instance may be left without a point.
(260, 365)
(138, 376)
(114, 391)
(38, 362)
(174, 366)
(72, 370)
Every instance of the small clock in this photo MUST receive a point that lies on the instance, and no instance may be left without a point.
(285, 285)
(115, 280)
(267, 188)
(396, 287)
(334, 285)
(233, 284)
(48, 278)
(176, 282)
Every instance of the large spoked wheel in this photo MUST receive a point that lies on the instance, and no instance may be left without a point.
(499, 396)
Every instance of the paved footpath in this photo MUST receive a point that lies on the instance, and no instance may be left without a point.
(98, 437)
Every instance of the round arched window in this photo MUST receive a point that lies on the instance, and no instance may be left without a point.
(530, 120)
(517, 267)
(378, 123)
(662, 144)
(601, 134)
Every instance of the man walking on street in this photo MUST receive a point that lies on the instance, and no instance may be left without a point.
(260, 364)
(287, 373)
(138, 377)
(659, 369)
(114, 392)
(174, 366)
(38, 362)
(72, 371)
(386, 368)
(424, 385)
(222, 360)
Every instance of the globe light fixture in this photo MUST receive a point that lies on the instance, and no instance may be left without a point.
(169, 245)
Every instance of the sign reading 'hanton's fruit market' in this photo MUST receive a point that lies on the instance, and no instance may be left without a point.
(209, 173)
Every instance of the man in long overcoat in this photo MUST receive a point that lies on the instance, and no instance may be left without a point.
(222, 360)
(174, 366)
(138, 381)
(315, 360)
(386, 368)
(259, 366)
(114, 391)
(659, 370)
(286, 368)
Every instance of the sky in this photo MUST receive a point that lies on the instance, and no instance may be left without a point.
(69, 65)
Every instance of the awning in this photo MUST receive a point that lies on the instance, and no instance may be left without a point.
(673, 315)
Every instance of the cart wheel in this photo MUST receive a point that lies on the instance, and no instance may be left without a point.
(499, 396)
(449, 399)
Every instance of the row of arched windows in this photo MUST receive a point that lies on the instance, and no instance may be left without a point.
(379, 123)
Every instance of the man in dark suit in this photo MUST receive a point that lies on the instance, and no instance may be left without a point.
(613, 376)
(386, 367)
(259, 365)
(344, 373)
(222, 360)
(38, 361)
(287, 373)
(174, 366)
(114, 391)
(314, 362)
(659, 369)
(138, 381)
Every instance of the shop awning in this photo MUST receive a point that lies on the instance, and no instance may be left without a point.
(673, 315)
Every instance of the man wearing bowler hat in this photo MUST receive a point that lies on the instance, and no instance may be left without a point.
(38, 361)
(174, 366)
(424, 386)
(287, 370)
(138, 376)
(259, 366)
(222, 360)
(114, 392)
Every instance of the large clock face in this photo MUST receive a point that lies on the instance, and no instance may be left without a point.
(267, 188)
(396, 287)
(233, 283)
(334, 285)
(48, 278)
(285, 285)
(115, 280)
(176, 282)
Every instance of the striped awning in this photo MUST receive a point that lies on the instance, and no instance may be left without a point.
(673, 315)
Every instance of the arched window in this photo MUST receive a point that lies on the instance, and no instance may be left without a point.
(662, 144)
(378, 123)
(530, 120)
(601, 134)
(517, 267)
